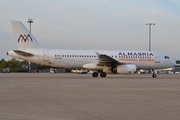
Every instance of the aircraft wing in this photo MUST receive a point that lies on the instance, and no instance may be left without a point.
(19, 52)
(107, 60)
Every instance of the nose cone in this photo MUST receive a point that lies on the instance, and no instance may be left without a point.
(173, 62)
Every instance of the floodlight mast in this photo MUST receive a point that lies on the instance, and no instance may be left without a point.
(30, 21)
(150, 34)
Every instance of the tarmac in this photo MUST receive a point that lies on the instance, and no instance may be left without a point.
(68, 96)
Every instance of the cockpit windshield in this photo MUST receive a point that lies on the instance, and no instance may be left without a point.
(166, 57)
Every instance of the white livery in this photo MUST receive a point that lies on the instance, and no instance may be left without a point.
(101, 61)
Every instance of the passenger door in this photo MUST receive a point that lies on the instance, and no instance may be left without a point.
(157, 59)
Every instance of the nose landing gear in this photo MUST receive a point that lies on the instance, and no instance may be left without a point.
(154, 75)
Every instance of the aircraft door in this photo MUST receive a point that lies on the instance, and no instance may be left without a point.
(157, 59)
(46, 55)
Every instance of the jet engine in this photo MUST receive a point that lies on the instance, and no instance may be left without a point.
(92, 66)
(125, 69)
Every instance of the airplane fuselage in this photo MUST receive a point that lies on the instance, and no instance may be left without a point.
(77, 58)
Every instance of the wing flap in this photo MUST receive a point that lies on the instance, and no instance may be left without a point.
(107, 60)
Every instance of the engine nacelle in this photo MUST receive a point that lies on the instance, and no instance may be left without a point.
(125, 69)
(92, 66)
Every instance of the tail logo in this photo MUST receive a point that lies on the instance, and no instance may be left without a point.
(25, 38)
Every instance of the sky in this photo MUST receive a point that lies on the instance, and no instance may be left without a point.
(95, 24)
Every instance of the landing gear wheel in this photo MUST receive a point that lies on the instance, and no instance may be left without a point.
(154, 75)
(95, 74)
(103, 74)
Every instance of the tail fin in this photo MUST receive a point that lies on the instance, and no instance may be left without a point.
(24, 38)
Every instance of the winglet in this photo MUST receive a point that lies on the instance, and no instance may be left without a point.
(98, 54)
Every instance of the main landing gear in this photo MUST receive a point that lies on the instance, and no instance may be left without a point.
(102, 74)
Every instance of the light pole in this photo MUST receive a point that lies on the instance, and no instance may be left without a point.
(150, 34)
(30, 21)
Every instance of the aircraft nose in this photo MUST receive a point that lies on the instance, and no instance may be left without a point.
(173, 62)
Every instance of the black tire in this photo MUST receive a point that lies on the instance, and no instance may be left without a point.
(154, 75)
(95, 74)
(103, 74)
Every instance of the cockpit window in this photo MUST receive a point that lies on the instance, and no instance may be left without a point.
(166, 57)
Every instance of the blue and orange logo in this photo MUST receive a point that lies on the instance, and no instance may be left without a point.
(25, 38)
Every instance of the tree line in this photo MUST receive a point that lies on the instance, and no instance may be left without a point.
(18, 65)
(14, 65)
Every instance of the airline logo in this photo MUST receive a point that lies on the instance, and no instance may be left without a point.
(24, 38)
(136, 56)
(136, 53)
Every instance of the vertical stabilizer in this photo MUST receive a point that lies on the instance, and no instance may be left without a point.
(23, 37)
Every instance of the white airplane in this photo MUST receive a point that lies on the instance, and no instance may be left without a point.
(101, 61)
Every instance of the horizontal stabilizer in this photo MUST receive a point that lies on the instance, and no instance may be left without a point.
(19, 52)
